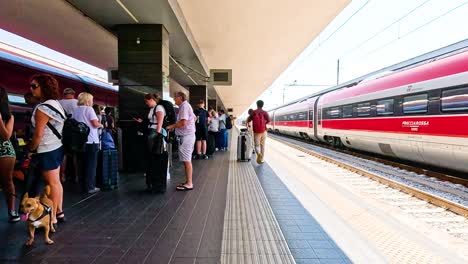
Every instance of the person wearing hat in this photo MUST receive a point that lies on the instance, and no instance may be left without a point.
(69, 103)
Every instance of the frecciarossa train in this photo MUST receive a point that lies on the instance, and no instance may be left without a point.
(418, 114)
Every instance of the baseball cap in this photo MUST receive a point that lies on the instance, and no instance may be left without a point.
(68, 91)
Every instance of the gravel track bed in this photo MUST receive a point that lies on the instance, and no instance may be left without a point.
(449, 191)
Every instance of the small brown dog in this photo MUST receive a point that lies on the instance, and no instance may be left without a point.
(38, 212)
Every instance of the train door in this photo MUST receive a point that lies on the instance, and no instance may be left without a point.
(317, 118)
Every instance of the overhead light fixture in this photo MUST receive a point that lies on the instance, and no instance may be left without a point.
(128, 11)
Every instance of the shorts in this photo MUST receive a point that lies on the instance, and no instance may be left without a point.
(49, 160)
(186, 147)
(201, 133)
(6, 149)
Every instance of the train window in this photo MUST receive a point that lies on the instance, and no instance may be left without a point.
(415, 104)
(334, 112)
(454, 100)
(311, 114)
(16, 99)
(302, 116)
(348, 111)
(385, 107)
(363, 109)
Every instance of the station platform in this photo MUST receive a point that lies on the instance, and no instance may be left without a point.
(238, 212)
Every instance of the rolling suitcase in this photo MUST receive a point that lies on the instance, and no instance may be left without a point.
(244, 146)
(210, 145)
(158, 172)
(110, 169)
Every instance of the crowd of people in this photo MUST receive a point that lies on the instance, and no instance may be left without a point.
(45, 151)
(198, 135)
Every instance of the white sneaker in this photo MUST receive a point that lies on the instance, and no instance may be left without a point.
(94, 191)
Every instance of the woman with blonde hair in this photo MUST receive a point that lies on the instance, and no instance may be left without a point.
(88, 159)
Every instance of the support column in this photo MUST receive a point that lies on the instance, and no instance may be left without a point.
(197, 93)
(143, 54)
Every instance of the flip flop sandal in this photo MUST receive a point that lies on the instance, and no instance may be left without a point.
(61, 217)
(183, 188)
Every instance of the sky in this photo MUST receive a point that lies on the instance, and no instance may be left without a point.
(367, 36)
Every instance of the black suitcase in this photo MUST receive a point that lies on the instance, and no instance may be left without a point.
(157, 175)
(244, 146)
(210, 145)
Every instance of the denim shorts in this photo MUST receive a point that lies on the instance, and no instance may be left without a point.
(49, 160)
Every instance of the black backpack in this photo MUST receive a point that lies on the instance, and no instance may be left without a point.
(228, 122)
(170, 117)
(74, 134)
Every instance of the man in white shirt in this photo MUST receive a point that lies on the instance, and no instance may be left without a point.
(69, 103)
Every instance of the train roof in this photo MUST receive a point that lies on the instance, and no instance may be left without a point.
(444, 52)
(55, 71)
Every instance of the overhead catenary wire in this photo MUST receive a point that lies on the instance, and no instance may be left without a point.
(415, 29)
(384, 29)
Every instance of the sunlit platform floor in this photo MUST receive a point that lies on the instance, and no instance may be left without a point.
(237, 213)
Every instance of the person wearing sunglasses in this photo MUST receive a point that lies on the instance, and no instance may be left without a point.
(45, 144)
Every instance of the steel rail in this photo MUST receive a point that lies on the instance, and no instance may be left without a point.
(438, 201)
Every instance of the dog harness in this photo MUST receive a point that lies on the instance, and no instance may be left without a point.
(47, 211)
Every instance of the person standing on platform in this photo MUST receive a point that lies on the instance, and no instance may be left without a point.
(222, 131)
(88, 159)
(7, 156)
(185, 130)
(259, 120)
(156, 165)
(69, 104)
(46, 145)
(202, 130)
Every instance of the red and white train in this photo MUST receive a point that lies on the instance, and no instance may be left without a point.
(15, 74)
(418, 114)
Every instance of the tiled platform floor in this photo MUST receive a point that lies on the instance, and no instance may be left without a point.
(308, 242)
(131, 226)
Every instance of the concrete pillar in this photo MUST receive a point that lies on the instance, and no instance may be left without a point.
(143, 54)
(197, 93)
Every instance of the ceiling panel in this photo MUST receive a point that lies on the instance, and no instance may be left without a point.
(256, 39)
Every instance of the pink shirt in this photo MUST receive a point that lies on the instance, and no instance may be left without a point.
(186, 112)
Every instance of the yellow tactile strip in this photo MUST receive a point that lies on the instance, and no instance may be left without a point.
(251, 233)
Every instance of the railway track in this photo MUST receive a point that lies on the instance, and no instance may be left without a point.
(434, 198)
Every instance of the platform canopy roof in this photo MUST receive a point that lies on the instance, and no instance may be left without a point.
(257, 39)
